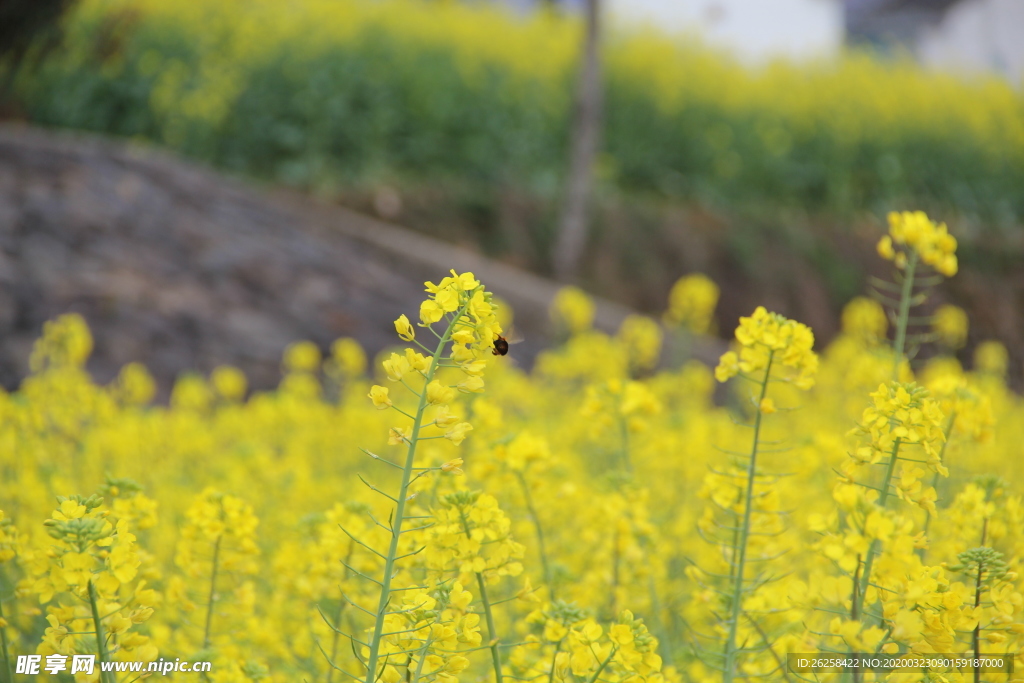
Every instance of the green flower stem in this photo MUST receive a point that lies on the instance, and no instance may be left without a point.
(554, 658)
(904, 313)
(627, 462)
(767, 643)
(855, 613)
(865, 578)
(492, 632)
(101, 638)
(731, 650)
(663, 632)
(422, 659)
(976, 634)
(935, 478)
(337, 619)
(212, 597)
(3, 643)
(334, 642)
(614, 592)
(535, 518)
(403, 494)
(593, 679)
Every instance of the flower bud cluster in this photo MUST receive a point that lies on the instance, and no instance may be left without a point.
(472, 535)
(904, 412)
(771, 338)
(472, 329)
(914, 230)
(572, 646)
(691, 303)
(426, 631)
(89, 572)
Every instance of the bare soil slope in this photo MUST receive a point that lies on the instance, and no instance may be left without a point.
(183, 269)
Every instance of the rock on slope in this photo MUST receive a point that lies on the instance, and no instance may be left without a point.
(182, 269)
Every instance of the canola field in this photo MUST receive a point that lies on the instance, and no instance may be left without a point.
(443, 516)
(327, 93)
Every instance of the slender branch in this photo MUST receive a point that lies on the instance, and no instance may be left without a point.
(904, 313)
(873, 548)
(213, 594)
(935, 478)
(492, 633)
(532, 511)
(737, 594)
(593, 679)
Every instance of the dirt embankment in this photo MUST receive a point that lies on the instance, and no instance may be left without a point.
(183, 269)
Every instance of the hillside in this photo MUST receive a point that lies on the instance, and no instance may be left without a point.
(183, 269)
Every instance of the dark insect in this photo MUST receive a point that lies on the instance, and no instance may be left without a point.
(500, 346)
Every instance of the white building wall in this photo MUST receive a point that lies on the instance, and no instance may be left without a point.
(754, 30)
(978, 35)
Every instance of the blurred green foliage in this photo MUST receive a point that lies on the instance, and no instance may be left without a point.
(329, 94)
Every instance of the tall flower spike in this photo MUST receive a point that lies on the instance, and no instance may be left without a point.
(913, 239)
(470, 327)
(771, 348)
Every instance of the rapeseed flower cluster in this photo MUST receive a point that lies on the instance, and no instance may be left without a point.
(913, 235)
(90, 581)
(950, 325)
(599, 523)
(766, 341)
(691, 303)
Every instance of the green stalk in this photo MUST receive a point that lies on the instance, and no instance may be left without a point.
(627, 463)
(904, 313)
(492, 632)
(663, 632)
(415, 678)
(741, 547)
(593, 679)
(3, 644)
(554, 658)
(403, 494)
(854, 613)
(101, 639)
(613, 603)
(865, 578)
(212, 598)
(976, 635)
(768, 644)
(540, 534)
(337, 619)
(935, 477)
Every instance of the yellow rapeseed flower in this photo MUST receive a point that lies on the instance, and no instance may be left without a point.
(950, 325)
(379, 396)
(770, 338)
(914, 230)
(691, 303)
